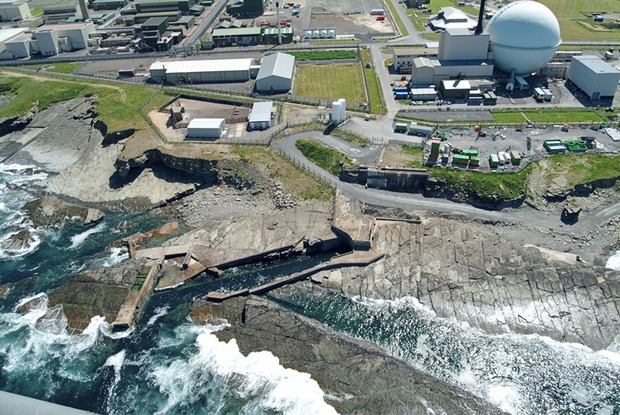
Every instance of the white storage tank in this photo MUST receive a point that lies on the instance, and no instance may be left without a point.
(336, 113)
(343, 108)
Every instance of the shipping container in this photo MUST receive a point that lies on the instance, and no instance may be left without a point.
(474, 162)
(460, 160)
(493, 161)
(469, 153)
(515, 157)
(126, 72)
(576, 146)
(401, 95)
(380, 18)
(554, 146)
(401, 89)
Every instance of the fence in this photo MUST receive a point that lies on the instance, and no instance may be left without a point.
(328, 180)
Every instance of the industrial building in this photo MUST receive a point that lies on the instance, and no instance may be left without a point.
(402, 61)
(451, 18)
(596, 78)
(276, 73)
(233, 37)
(206, 128)
(261, 116)
(246, 8)
(202, 71)
(108, 4)
(12, 10)
(51, 40)
(461, 44)
(149, 6)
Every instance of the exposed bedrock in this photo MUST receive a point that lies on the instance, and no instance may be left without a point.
(358, 377)
(473, 273)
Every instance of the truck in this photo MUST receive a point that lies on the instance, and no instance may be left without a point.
(543, 94)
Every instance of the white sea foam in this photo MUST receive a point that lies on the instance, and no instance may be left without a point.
(116, 362)
(79, 239)
(31, 244)
(257, 380)
(159, 312)
(613, 262)
(397, 304)
(506, 397)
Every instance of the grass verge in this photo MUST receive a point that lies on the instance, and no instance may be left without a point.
(396, 17)
(487, 186)
(324, 157)
(416, 154)
(324, 55)
(376, 102)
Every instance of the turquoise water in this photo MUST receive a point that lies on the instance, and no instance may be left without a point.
(169, 365)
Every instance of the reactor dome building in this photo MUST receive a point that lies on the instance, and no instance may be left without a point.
(523, 37)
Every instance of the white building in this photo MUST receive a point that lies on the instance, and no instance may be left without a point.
(461, 44)
(432, 71)
(13, 10)
(206, 128)
(49, 40)
(595, 77)
(202, 71)
(261, 116)
(403, 58)
(276, 73)
(451, 17)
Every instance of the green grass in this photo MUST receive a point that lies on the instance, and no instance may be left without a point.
(376, 101)
(294, 180)
(334, 41)
(118, 106)
(416, 154)
(548, 115)
(324, 55)
(585, 168)
(324, 157)
(60, 67)
(396, 18)
(352, 138)
(487, 186)
(330, 82)
(574, 24)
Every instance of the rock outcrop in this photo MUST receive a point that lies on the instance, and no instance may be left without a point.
(51, 211)
(474, 273)
(358, 377)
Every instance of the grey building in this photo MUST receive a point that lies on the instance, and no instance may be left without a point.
(596, 78)
(261, 116)
(276, 73)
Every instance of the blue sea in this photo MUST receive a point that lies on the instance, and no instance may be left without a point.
(169, 365)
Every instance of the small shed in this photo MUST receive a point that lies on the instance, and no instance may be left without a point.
(206, 128)
(261, 116)
(177, 112)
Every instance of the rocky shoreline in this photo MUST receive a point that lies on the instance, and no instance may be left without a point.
(529, 274)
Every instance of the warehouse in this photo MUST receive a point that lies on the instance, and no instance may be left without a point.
(431, 71)
(276, 73)
(232, 37)
(596, 78)
(206, 128)
(202, 71)
(19, 46)
(12, 10)
(261, 116)
(148, 6)
(455, 89)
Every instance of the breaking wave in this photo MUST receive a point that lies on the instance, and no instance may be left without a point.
(79, 239)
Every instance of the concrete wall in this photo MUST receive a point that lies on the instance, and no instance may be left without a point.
(466, 71)
(20, 48)
(47, 41)
(206, 77)
(20, 11)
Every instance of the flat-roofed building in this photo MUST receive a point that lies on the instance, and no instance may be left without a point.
(451, 17)
(595, 77)
(455, 89)
(261, 116)
(431, 71)
(212, 128)
(202, 71)
(14, 10)
(19, 46)
(148, 6)
(108, 4)
(403, 57)
(242, 36)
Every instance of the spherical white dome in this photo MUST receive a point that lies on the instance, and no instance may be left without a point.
(524, 36)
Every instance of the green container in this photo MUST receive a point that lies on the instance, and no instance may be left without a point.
(493, 160)
(469, 153)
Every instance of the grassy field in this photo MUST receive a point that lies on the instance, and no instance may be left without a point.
(574, 21)
(575, 170)
(352, 138)
(324, 157)
(330, 82)
(376, 101)
(319, 55)
(118, 106)
(294, 180)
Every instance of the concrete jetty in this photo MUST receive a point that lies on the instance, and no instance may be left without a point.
(351, 259)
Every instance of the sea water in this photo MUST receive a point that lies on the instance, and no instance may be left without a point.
(168, 365)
